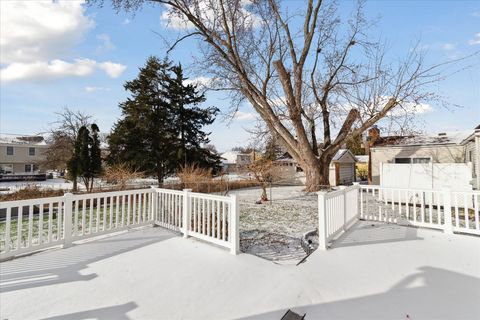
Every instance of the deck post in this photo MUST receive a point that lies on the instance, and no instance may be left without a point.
(186, 212)
(67, 221)
(154, 207)
(233, 231)
(322, 226)
(344, 194)
(447, 211)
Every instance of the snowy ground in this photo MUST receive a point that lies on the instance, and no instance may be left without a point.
(273, 230)
(374, 271)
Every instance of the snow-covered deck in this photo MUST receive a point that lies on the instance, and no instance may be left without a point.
(376, 271)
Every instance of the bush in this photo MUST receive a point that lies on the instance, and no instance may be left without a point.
(121, 174)
(31, 192)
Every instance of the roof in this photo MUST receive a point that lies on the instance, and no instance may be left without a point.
(230, 157)
(22, 139)
(361, 158)
(444, 138)
(344, 155)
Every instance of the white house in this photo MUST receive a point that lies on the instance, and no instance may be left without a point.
(446, 157)
(235, 161)
(20, 155)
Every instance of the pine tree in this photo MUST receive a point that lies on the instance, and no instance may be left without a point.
(86, 160)
(159, 132)
(190, 118)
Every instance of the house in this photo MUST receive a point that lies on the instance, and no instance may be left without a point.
(235, 161)
(20, 157)
(454, 152)
(286, 168)
(342, 168)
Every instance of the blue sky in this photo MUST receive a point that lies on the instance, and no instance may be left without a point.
(58, 54)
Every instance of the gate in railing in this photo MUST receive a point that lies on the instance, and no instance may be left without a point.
(456, 211)
(35, 224)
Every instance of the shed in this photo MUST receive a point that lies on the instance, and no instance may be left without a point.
(342, 168)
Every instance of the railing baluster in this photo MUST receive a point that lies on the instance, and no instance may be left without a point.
(223, 220)
(475, 211)
(117, 210)
(457, 218)
(84, 211)
(75, 218)
(465, 211)
(97, 221)
(30, 225)
(105, 212)
(50, 221)
(208, 218)
(40, 223)
(7, 229)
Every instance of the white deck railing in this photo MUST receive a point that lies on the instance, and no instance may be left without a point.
(338, 210)
(35, 224)
(450, 211)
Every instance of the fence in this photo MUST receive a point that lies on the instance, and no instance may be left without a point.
(35, 224)
(457, 211)
(426, 176)
(338, 210)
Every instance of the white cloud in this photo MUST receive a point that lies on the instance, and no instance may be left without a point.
(409, 108)
(40, 30)
(475, 40)
(448, 46)
(37, 36)
(173, 20)
(114, 70)
(55, 69)
(476, 13)
(106, 43)
(95, 89)
(126, 21)
(245, 116)
(199, 81)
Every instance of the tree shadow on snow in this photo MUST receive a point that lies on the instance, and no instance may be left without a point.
(431, 293)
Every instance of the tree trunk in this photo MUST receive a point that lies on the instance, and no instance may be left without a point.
(317, 175)
(75, 186)
(264, 196)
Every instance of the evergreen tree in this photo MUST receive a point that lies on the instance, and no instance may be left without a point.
(190, 118)
(86, 160)
(158, 131)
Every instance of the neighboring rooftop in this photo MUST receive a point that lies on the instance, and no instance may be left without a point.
(443, 138)
(20, 139)
(362, 158)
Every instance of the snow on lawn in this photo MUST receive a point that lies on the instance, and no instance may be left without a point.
(273, 230)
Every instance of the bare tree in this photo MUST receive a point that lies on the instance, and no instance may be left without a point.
(306, 74)
(62, 136)
(264, 172)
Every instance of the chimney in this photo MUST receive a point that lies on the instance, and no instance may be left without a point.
(373, 135)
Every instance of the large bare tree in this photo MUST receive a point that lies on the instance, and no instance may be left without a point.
(314, 80)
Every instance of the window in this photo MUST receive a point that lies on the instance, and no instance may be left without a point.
(412, 160)
(28, 168)
(402, 160)
(31, 151)
(421, 160)
(10, 151)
